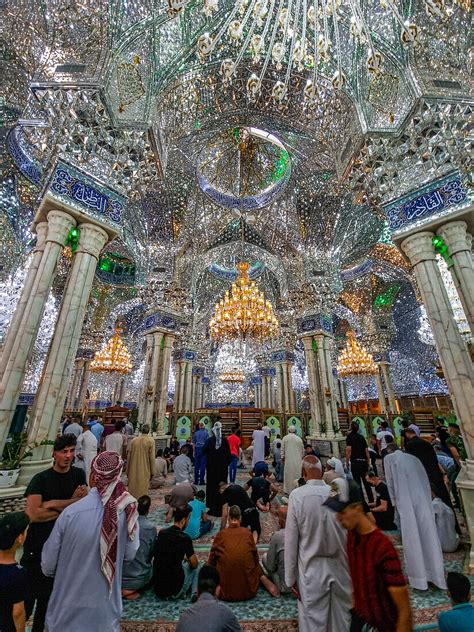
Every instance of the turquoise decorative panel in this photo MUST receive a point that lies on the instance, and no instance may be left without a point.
(183, 428)
(274, 424)
(296, 422)
(206, 420)
(376, 421)
(397, 428)
(362, 425)
(167, 425)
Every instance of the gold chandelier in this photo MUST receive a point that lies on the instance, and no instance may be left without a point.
(244, 313)
(113, 357)
(354, 360)
(232, 375)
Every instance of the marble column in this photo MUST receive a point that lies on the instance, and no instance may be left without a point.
(13, 329)
(147, 418)
(181, 367)
(458, 242)
(280, 389)
(188, 392)
(380, 393)
(49, 404)
(76, 380)
(59, 225)
(149, 349)
(452, 351)
(162, 385)
(327, 394)
(312, 385)
(84, 385)
(387, 378)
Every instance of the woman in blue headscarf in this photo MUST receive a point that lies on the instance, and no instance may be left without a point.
(218, 458)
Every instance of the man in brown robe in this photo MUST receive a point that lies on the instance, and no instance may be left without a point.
(141, 463)
(235, 556)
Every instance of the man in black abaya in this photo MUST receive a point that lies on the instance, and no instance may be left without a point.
(218, 458)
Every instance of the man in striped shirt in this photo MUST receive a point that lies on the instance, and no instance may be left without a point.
(380, 593)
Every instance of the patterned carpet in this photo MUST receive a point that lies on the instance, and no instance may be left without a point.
(263, 613)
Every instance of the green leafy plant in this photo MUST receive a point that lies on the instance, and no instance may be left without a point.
(17, 449)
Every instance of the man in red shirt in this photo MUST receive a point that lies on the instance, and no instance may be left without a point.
(234, 443)
(380, 593)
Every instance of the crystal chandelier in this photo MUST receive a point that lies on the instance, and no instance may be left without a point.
(354, 360)
(232, 375)
(244, 313)
(113, 357)
(307, 37)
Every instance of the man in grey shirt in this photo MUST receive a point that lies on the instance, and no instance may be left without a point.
(273, 561)
(208, 613)
(137, 573)
(182, 466)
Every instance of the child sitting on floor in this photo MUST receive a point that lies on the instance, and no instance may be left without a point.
(199, 522)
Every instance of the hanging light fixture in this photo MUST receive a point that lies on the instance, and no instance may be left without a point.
(243, 313)
(232, 375)
(354, 360)
(113, 357)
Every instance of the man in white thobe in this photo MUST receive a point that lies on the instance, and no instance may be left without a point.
(316, 564)
(86, 451)
(88, 574)
(292, 453)
(410, 492)
(258, 445)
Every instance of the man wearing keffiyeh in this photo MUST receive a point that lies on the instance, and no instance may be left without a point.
(86, 550)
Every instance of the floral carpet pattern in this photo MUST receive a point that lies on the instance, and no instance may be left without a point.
(264, 613)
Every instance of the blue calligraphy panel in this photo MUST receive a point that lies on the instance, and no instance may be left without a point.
(71, 185)
(433, 199)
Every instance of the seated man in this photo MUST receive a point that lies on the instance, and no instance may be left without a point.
(236, 495)
(182, 466)
(461, 617)
(445, 525)
(175, 565)
(199, 522)
(274, 560)
(235, 556)
(382, 509)
(137, 573)
(263, 491)
(161, 471)
(208, 613)
(181, 495)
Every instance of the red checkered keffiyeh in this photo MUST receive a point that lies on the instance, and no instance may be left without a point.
(107, 468)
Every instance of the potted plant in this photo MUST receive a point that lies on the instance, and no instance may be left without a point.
(16, 449)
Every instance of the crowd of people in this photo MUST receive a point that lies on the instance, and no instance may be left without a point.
(88, 543)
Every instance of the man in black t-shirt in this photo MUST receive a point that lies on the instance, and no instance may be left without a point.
(382, 509)
(175, 565)
(234, 494)
(263, 491)
(358, 457)
(47, 495)
(13, 587)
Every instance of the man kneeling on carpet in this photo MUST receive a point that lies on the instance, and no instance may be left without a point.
(137, 573)
(235, 556)
(175, 565)
(208, 613)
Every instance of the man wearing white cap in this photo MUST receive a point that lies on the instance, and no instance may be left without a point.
(292, 453)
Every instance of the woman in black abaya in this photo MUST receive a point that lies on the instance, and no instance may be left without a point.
(218, 458)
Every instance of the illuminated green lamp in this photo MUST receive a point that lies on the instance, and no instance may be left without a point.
(72, 240)
(441, 249)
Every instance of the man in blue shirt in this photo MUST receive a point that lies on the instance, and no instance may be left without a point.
(199, 439)
(96, 428)
(461, 617)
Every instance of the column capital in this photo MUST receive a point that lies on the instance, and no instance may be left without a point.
(419, 247)
(455, 237)
(283, 356)
(59, 225)
(41, 232)
(92, 239)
